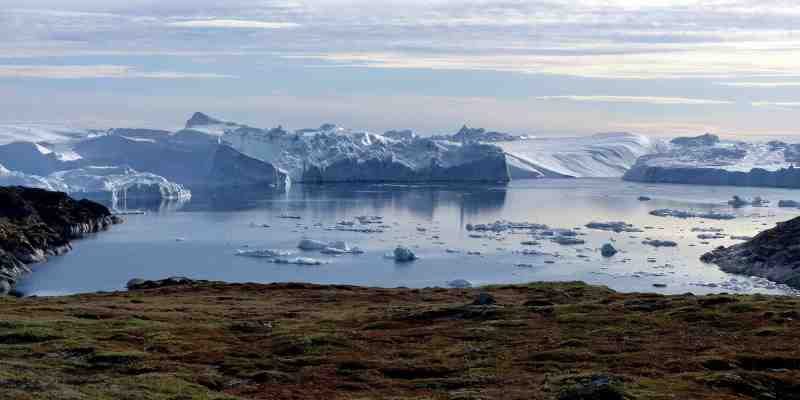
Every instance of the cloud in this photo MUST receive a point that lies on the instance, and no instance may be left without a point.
(233, 24)
(96, 71)
(761, 84)
(673, 64)
(638, 99)
(784, 105)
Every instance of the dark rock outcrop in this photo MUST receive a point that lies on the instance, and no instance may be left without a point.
(36, 224)
(772, 254)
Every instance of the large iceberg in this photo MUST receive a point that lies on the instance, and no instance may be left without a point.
(596, 156)
(707, 160)
(189, 158)
(334, 154)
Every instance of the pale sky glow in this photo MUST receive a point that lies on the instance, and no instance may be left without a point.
(233, 24)
(655, 66)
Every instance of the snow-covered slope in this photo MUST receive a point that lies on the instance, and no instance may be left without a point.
(600, 155)
(710, 161)
(43, 133)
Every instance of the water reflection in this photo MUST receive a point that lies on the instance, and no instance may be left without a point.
(422, 201)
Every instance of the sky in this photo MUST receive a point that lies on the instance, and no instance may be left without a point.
(541, 67)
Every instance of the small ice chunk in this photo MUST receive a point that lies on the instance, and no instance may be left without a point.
(567, 240)
(298, 261)
(312, 245)
(263, 253)
(660, 243)
(608, 250)
(404, 254)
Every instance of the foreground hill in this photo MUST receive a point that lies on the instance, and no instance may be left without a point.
(194, 340)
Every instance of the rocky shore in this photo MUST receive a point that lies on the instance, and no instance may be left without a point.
(36, 224)
(184, 339)
(773, 254)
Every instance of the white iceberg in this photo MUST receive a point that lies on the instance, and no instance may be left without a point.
(708, 160)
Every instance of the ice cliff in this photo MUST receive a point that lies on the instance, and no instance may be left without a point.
(707, 160)
(334, 154)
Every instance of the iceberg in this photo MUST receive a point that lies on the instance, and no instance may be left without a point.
(708, 160)
(113, 184)
(120, 183)
(263, 253)
(334, 154)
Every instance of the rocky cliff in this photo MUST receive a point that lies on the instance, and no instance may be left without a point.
(36, 224)
(773, 254)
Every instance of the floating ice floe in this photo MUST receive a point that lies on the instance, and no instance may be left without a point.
(711, 230)
(567, 240)
(738, 202)
(312, 245)
(666, 212)
(504, 226)
(298, 261)
(357, 229)
(532, 252)
(613, 226)
(660, 243)
(341, 247)
(710, 236)
(264, 253)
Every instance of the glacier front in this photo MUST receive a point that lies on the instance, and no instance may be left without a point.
(707, 160)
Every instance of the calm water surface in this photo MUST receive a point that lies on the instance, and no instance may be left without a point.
(200, 239)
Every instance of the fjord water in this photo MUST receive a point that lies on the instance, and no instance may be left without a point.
(199, 239)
